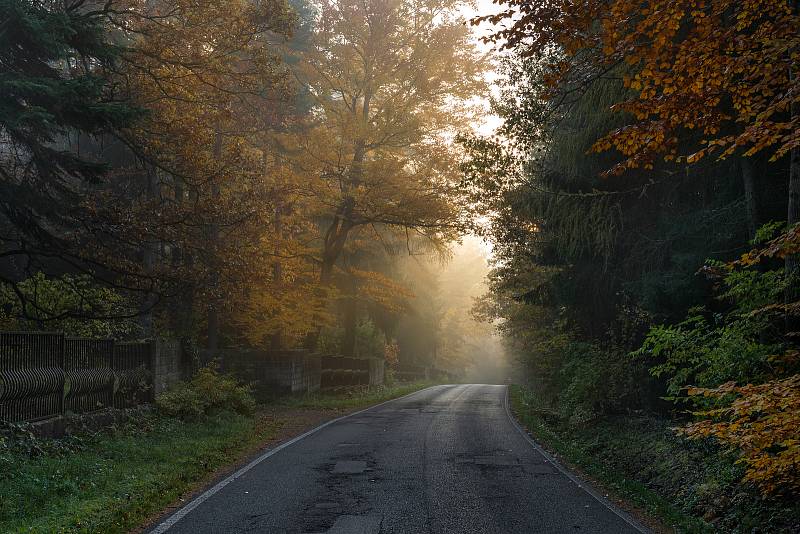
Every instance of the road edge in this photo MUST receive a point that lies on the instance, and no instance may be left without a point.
(187, 508)
(578, 481)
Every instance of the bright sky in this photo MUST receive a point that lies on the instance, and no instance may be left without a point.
(490, 122)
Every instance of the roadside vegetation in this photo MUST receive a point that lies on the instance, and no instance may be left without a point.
(115, 478)
(353, 397)
(686, 486)
(643, 199)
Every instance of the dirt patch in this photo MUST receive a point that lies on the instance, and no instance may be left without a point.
(287, 424)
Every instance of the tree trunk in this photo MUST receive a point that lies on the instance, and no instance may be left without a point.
(793, 211)
(350, 325)
(751, 202)
(335, 239)
(276, 340)
(150, 252)
(338, 231)
(212, 326)
(182, 313)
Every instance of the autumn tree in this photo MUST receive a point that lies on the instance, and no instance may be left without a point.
(178, 204)
(211, 78)
(389, 81)
(722, 70)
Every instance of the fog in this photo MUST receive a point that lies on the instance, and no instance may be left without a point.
(439, 329)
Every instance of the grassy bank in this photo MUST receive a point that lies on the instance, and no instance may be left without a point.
(113, 480)
(352, 398)
(688, 486)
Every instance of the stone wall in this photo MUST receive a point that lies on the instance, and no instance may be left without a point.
(377, 372)
(272, 372)
(311, 373)
(169, 364)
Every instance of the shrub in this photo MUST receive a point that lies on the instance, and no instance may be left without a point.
(63, 305)
(762, 423)
(207, 392)
(596, 381)
(760, 419)
(708, 353)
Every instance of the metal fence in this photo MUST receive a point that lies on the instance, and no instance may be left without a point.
(43, 375)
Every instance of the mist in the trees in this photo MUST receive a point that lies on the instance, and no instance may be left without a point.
(439, 327)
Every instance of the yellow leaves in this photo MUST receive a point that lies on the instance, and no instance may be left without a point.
(381, 290)
(697, 156)
(763, 423)
(788, 243)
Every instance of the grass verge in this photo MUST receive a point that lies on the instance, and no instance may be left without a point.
(352, 398)
(114, 480)
(687, 486)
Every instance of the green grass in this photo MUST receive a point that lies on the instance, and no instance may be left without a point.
(575, 454)
(687, 486)
(353, 397)
(115, 480)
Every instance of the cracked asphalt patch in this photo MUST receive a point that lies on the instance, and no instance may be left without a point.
(349, 467)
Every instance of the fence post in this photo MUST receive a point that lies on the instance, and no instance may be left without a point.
(153, 355)
(62, 364)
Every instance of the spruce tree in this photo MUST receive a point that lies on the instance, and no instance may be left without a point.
(54, 90)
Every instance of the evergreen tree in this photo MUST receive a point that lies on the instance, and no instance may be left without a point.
(53, 94)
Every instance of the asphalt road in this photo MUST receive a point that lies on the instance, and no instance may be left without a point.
(447, 459)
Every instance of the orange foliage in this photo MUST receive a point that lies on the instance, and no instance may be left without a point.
(391, 353)
(784, 245)
(722, 68)
(763, 421)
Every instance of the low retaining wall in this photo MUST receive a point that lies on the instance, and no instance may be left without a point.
(339, 371)
(412, 373)
(170, 365)
(273, 373)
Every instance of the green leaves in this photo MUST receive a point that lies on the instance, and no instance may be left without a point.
(72, 304)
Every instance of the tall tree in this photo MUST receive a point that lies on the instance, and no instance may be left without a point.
(724, 69)
(56, 91)
(389, 80)
(211, 77)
